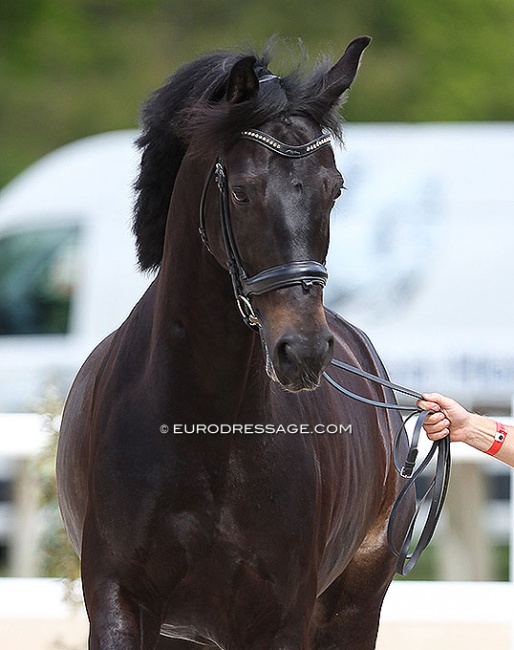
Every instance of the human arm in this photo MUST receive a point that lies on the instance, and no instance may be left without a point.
(478, 431)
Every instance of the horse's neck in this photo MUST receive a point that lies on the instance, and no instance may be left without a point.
(198, 328)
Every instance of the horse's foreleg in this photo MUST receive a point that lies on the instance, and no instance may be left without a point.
(116, 621)
(349, 610)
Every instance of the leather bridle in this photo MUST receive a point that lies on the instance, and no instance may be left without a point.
(304, 272)
(307, 273)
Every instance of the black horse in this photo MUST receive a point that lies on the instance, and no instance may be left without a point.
(217, 489)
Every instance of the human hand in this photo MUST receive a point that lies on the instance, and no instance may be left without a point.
(450, 418)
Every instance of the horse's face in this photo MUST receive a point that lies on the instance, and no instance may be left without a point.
(280, 210)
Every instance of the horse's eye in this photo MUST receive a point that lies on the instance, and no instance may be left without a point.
(239, 196)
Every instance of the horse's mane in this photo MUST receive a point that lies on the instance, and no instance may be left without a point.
(190, 104)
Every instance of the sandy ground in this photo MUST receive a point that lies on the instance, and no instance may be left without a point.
(422, 616)
(71, 634)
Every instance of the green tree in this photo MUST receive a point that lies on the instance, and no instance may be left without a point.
(69, 68)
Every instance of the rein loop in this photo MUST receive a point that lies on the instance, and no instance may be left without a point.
(436, 491)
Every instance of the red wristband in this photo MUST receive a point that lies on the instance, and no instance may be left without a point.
(499, 439)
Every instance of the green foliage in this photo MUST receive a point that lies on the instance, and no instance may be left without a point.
(57, 558)
(73, 68)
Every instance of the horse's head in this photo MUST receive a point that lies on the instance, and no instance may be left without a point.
(279, 215)
(278, 184)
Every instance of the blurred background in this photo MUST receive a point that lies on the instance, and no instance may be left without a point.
(80, 67)
(421, 246)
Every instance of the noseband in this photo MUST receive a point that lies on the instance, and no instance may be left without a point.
(305, 273)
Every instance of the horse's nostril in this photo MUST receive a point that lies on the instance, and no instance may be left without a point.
(329, 350)
(285, 356)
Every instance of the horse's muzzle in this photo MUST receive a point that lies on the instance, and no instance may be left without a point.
(299, 359)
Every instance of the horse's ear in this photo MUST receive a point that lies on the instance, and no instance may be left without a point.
(340, 77)
(243, 83)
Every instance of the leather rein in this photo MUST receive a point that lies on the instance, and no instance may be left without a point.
(308, 273)
(434, 494)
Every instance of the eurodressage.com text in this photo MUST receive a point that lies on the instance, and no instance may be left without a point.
(255, 429)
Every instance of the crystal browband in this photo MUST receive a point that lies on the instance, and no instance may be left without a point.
(289, 150)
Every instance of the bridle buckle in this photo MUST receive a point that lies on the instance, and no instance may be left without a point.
(219, 176)
(248, 313)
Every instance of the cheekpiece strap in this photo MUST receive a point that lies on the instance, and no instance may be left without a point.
(288, 150)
